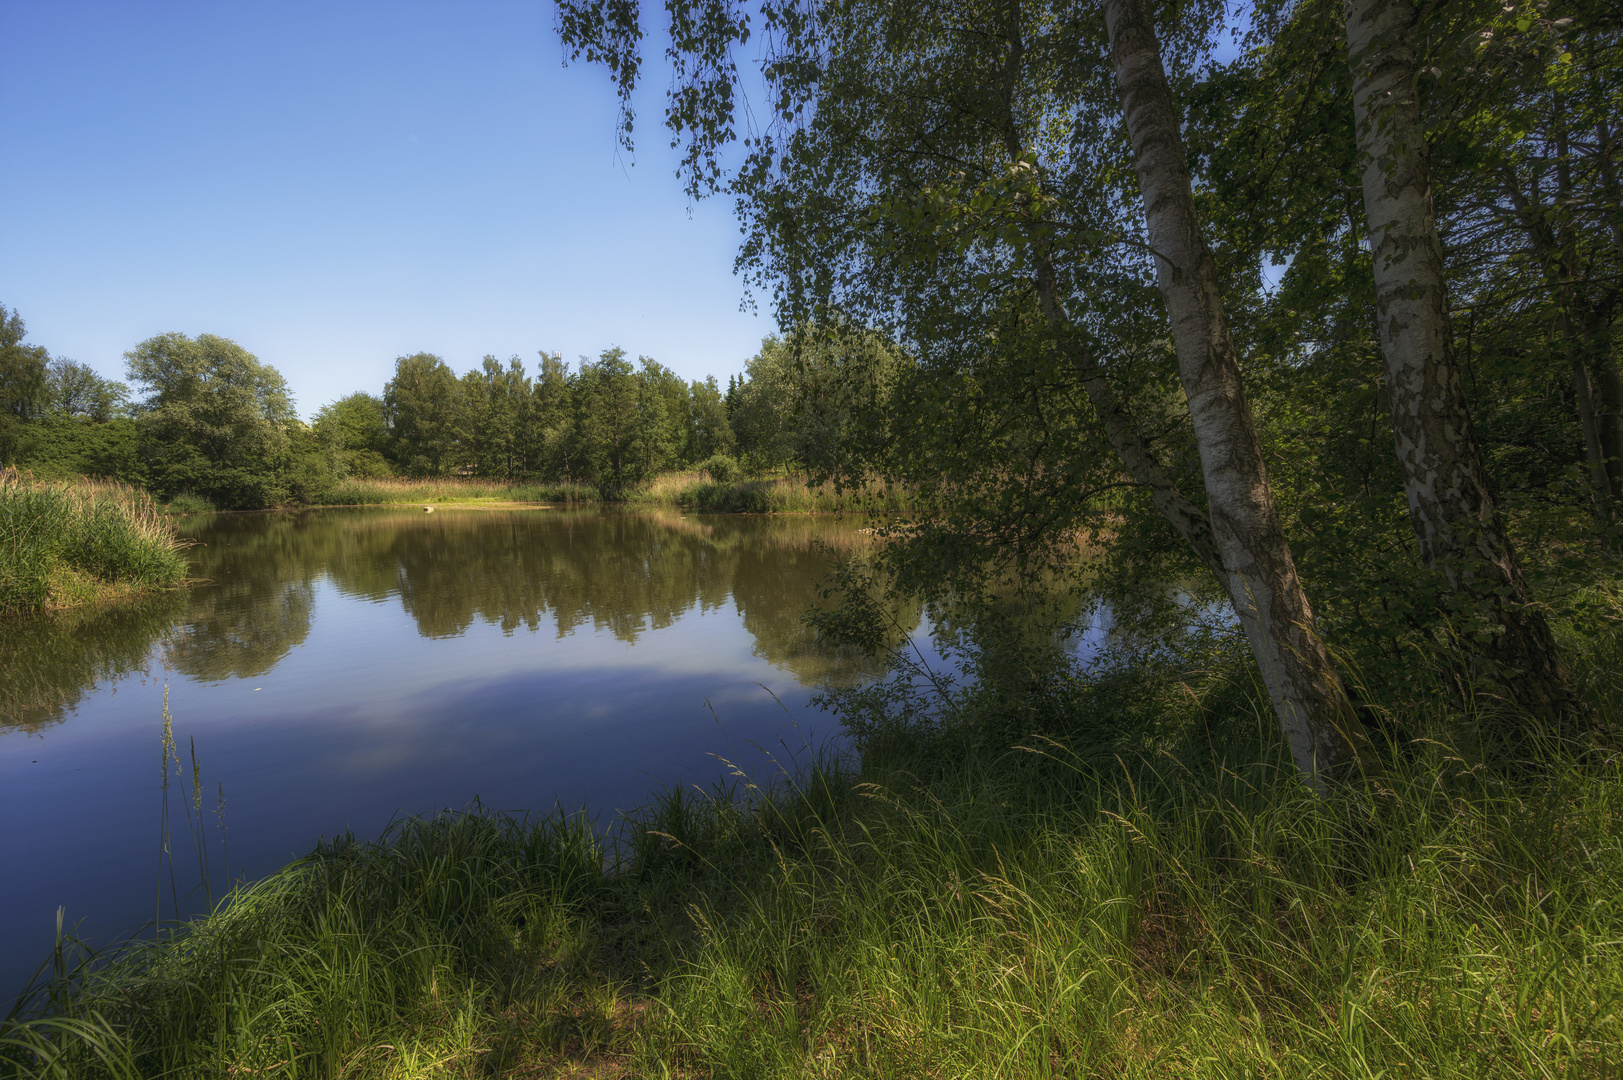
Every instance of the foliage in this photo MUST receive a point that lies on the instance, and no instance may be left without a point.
(622, 429)
(419, 407)
(710, 430)
(215, 421)
(75, 389)
(187, 503)
(719, 468)
(955, 178)
(218, 425)
(817, 398)
(22, 383)
(354, 434)
(64, 447)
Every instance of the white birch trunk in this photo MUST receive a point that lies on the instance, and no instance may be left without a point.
(1258, 570)
(1451, 506)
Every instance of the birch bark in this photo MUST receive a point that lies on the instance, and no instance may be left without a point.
(1258, 570)
(1451, 506)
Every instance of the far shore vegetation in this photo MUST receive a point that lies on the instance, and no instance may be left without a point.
(718, 489)
(215, 428)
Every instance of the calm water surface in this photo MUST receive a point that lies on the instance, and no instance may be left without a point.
(335, 668)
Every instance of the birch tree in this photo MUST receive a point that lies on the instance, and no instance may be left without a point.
(1456, 518)
(1257, 568)
(953, 173)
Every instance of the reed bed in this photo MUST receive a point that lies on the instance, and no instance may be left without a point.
(382, 492)
(772, 495)
(692, 490)
(1026, 914)
(63, 544)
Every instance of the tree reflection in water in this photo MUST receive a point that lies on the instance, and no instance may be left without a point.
(52, 661)
(622, 572)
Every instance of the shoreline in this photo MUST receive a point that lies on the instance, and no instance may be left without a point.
(939, 895)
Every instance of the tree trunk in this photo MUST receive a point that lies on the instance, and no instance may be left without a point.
(1594, 351)
(1258, 571)
(1608, 387)
(1452, 509)
(1598, 480)
(1123, 434)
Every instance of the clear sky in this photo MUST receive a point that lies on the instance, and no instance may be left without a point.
(336, 184)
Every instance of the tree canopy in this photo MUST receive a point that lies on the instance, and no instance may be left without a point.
(215, 419)
(1064, 216)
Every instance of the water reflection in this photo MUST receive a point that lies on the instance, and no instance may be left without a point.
(335, 668)
(537, 571)
(52, 662)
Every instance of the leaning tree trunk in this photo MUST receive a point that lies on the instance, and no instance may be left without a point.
(1461, 532)
(1259, 573)
(1608, 381)
(1595, 323)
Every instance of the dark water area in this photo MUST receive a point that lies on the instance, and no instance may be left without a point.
(336, 668)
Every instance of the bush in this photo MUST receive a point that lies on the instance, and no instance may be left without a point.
(187, 503)
(66, 448)
(367, 465)
(720, 468)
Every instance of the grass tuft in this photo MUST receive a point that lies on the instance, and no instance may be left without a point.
(66, 544)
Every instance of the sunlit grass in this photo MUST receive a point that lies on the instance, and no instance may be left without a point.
(1011, 915)
(65, 544)
(688, 490)
(768, 495)
(454, 490)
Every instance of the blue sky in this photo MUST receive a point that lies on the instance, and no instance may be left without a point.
(333, 185)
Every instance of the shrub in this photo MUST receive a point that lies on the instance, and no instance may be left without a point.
(720, 468)
(187, 503)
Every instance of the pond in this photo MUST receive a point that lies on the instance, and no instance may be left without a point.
(332, 669)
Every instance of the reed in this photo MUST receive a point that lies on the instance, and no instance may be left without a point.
(772, 495)
(448, 490)
(64, 544)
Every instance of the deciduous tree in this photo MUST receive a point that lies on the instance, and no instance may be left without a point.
(215, 420)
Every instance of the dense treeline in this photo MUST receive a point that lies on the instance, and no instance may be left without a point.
(612, 423)
(216, 423)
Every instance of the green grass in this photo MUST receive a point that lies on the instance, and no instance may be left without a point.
(944, 914)
(771, 495)
(460, 491)
(65, 544)
(187, 503)
(686, 490)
